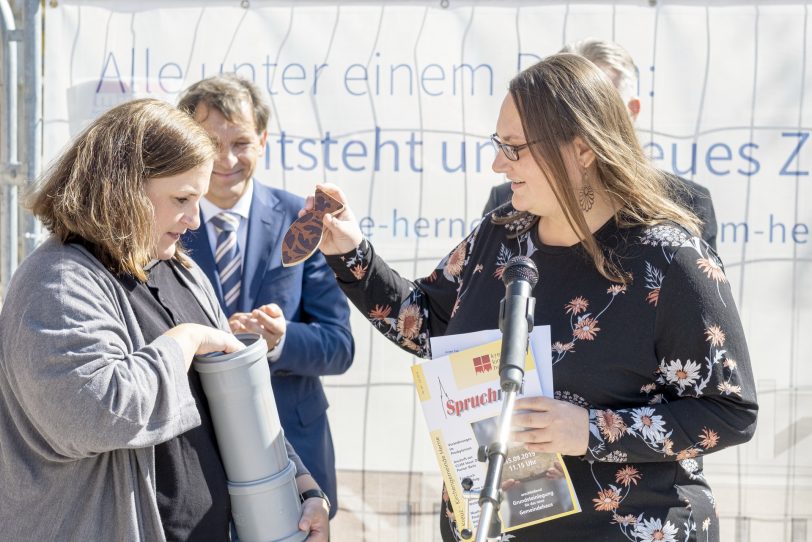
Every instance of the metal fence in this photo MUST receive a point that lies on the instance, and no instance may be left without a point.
(771, 484)
(21, 122)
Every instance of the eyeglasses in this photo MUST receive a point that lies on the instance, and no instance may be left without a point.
(511, 151)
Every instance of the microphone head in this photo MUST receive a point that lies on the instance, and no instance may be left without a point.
(521, 267)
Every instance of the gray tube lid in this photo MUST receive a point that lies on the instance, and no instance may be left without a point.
(255, 348)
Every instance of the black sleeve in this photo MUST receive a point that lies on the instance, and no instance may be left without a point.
(706, 397)
(408, 313)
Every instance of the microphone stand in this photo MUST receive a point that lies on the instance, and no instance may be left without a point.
(490, 497)
(511, 376)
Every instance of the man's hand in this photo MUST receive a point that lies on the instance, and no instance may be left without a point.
(267, 320)
(315, 520)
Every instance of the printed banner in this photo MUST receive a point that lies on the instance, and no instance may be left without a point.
(395, 103)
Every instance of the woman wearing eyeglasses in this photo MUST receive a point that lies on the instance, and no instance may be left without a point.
(650, 364)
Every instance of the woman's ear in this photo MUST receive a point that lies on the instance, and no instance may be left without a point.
(583, 153)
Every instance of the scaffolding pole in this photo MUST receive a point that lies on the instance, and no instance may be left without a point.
(9, 160)
(32, 112)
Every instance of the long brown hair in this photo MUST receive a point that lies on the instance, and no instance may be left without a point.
(566, 96)
(95, 190)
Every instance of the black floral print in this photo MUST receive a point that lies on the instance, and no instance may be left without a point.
(660, 363)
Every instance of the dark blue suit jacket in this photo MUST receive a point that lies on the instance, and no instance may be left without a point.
(318, 340)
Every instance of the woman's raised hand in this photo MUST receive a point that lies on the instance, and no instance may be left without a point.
(341, 231)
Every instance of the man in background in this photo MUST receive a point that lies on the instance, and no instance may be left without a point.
(299, 311)
(616, 62)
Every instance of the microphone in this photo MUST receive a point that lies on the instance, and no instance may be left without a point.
(516, 319)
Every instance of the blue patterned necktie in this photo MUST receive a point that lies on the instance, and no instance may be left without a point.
(227, 258)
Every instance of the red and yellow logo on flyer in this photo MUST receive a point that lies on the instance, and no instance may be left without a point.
(479, 365)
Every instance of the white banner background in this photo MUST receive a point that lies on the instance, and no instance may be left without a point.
(395, 104)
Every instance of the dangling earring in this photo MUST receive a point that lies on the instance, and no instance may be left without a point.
(586, 195)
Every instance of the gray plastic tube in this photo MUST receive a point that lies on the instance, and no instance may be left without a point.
(238, 389)
(268, 509)
(261, 479)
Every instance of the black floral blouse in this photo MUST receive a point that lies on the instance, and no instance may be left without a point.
(660, 363)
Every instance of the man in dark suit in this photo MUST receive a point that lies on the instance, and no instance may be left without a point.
(616, 62)
(299, 311)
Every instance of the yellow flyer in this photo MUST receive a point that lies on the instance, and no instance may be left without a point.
(461, 400)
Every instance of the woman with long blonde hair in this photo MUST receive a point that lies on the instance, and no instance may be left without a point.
(650, 363)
